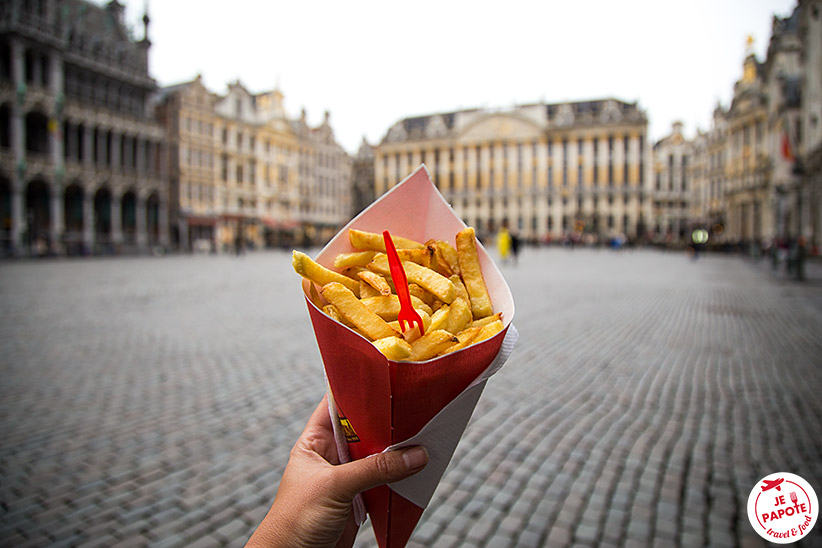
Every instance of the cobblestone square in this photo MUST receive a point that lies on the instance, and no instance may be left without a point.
(153, 402)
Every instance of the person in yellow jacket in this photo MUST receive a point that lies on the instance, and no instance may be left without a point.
(504, 243)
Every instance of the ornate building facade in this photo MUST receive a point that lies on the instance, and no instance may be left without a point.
(756, 171)
(81, 156)
(546, 170)
(673, 162)
(363, 177)
(244, 174)
(324, 181)
(810, 159)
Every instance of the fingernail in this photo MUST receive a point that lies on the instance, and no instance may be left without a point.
(414, 458)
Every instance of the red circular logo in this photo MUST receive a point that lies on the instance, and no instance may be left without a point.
(782, 507)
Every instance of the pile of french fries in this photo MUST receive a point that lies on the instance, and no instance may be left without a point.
(446, 285)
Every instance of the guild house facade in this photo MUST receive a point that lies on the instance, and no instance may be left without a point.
(548, 171)
(244, 175)
(81, 156)
(753, 179)
(671, 186)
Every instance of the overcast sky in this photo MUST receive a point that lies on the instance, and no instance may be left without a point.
(373, 63)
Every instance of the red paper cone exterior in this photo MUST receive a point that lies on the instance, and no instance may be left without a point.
(383, 402)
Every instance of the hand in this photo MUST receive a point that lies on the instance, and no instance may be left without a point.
(313, 503)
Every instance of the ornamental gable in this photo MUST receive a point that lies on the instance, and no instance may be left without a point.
(501, 126)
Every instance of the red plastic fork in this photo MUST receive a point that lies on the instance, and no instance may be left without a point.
(407, 313)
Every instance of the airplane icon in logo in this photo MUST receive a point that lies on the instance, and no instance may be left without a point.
(771, 484)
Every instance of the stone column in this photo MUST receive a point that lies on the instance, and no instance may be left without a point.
(18, 148)
(88, 220)
(140, 225)
(18, 218)
(141, 156)
(56, 84)
(116, 216)
(163, 222)
(57, 221)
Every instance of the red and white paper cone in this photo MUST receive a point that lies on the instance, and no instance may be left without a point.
(378, 404)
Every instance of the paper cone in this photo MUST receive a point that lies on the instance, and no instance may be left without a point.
(379, 404)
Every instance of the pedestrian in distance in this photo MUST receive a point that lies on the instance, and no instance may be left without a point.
(504, 242)
(516, 242)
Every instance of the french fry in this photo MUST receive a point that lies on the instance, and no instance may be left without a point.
(376, 281)
(419, 256)
(462, 293)
(486, 320)
(332, 312)
(488, 331)
(367, 291)
(352, 272)
(465, 338)
(431, 344)
(421, 294)
(388, 307)
(394, 348)
(472, 274)
(439, 317)
(357, 258)
(443, 257)
(459, 316)
(439, 285)
(315, 296)
(353, 310)
(369, 241)
(309, 269)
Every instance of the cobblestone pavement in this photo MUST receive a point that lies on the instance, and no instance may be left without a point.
(153, 402)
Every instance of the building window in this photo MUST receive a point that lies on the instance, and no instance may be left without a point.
(670, 172)
(641, 159)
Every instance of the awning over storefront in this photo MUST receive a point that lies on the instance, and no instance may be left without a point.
(201, 221)
(285, 224)
(235, 218)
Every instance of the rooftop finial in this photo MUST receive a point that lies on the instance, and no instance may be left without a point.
(146, 21)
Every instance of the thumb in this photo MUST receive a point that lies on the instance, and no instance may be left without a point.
(357, 476)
